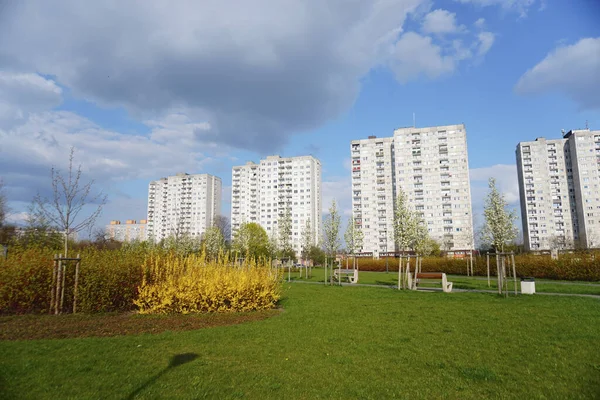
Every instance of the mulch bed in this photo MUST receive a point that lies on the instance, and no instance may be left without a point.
(33, 327)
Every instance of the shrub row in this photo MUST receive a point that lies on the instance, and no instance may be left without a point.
(108, 280)
(574, 267)
(190, 284)
(153, 280)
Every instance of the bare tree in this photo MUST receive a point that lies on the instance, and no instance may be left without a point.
(3, 204)
(69, 197)
(223, 224)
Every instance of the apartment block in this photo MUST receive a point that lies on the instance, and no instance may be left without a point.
(373, 192)
(182, 204)
(559, 192)
(130, 231)
(263, 193)
(430, 165)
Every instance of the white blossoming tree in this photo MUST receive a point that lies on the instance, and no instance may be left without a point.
(405, 224)
(499, 226)
(331, 232)
(354, 239)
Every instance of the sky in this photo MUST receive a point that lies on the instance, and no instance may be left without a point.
(147, 89)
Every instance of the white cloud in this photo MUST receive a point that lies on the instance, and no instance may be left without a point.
(486, 40)
(573, 70)
(480, 23)
(340, 189)
(518, 6)
(506, 182)
(441, 22)
(22, 93)
(257, 71)
(416, 55)
(31, 149)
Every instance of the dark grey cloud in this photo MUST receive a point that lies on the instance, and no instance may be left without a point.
(256, 71)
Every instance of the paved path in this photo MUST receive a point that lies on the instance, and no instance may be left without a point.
(593, 296)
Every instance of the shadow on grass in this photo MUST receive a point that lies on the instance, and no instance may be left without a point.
(176, 361)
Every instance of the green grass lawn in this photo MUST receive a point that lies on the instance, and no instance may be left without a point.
(335, 342)
(460, 282)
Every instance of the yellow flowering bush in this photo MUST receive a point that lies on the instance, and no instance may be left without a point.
(195, 284)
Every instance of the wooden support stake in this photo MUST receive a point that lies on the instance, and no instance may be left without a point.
(58, 283)
(75, 286)
(53, 287)
(499, 273)
(514, 271)
(400, 274)
(504, 278)
(62, 287)
(488, 268)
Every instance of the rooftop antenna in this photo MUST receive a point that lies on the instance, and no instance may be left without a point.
(562, 131)
(414, 119)
(587, 126)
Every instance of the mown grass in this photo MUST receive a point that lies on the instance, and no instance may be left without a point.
(335, 342)
(460, 282)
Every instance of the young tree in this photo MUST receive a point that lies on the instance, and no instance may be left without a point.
(498, 229)
(69, 197)
(422, 243)
(3, 205)
(331, 231)
(353, 238)
(214, 242)
(6, 232)
(284, 227)
(273, 244)
(316, 255)
(405, 223)
(307, 240)
(224, 226)
(251, 240)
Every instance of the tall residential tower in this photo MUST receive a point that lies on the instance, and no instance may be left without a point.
(264, 192)
(430, 165)
(182, 204)
(559, 192)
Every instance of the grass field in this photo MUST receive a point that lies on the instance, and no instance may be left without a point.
(460, 282)
(335, 342)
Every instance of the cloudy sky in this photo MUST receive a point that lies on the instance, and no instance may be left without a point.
(145, 89)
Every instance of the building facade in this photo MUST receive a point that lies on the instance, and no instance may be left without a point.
(263, 193)
(559, 192)
(430, 165)
(130, 231)
(183, 204)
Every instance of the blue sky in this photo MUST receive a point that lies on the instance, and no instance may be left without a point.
(147, 91)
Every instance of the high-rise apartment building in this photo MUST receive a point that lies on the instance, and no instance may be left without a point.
(264, 192)
(130, 231)
(373, 192)
(182, 204)
(430, 165)
(559, 192)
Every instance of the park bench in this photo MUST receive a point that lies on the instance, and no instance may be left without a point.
(351, 274)
(438, 276)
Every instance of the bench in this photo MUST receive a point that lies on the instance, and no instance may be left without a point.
(351, 274)
(438, 276)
